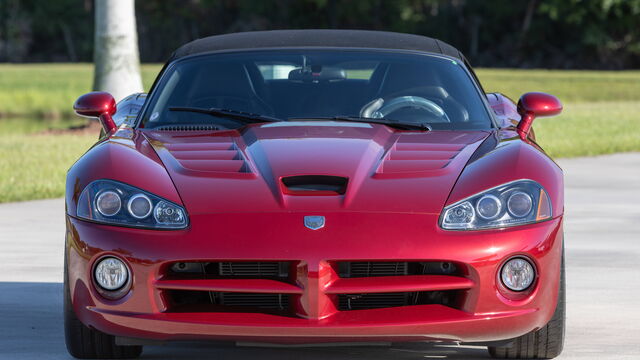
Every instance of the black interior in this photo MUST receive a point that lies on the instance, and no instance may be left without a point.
(321, 88)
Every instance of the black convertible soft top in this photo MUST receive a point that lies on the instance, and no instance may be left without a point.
(316, 38)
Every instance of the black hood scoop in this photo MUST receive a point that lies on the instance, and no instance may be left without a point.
(315, 185)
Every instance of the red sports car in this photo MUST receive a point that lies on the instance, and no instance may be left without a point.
(317, 186)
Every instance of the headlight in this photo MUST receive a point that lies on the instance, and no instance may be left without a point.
(515, 203)
(116, 203)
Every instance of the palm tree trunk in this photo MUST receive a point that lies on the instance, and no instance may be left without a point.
(116, 56)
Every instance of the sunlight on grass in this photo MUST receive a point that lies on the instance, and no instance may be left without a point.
(34, 164)
(570, 86)
(600, 116)
(49, 90)
(585, 129)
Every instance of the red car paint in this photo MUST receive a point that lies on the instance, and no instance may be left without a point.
(98, 104)
(535, 104)
(399, 182)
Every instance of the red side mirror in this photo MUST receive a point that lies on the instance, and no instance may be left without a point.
(97, 104)
(534, 104)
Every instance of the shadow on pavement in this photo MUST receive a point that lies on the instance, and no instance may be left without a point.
(31, 328)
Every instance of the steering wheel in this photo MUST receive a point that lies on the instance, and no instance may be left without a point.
(379, 108)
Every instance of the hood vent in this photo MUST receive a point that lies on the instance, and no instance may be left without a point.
(315, 185)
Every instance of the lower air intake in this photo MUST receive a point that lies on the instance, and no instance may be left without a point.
(358, 269)
(387, 300)
(205, 301)
(246, 269)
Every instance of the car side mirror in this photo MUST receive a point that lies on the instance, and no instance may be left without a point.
(536, 104)
(99, 105)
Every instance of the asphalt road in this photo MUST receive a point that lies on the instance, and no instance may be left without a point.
(603, 275)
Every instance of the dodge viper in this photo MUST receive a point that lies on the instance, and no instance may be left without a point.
(315, 187)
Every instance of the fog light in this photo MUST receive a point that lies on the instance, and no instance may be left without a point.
(111, 274)
(517, 274)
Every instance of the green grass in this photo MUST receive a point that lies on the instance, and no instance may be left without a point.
(33, 164)
(49, 90)
(601, 116)
(600, 113)
(587, 129)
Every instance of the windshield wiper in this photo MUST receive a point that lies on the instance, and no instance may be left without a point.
(245, 117)
(384, 121)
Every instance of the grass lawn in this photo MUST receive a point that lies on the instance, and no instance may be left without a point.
(600, 117)
(49, 90)
(33, 164)
(600, 108)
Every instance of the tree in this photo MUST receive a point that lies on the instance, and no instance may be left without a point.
(115, 54)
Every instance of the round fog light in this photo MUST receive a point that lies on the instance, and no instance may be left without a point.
(111, 274)
(517, 274)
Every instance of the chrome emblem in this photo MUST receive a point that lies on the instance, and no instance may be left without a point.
(314, 222)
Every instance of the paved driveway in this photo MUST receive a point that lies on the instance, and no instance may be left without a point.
(603, 273)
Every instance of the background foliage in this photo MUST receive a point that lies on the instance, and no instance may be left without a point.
(40, 137)
(593, 34)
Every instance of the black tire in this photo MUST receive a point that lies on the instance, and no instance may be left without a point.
(86, 343)
(546, 343)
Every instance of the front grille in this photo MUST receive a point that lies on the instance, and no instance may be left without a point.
(217, 286)
(208, 301)
(259, 301)
(387, 300)
(253, 270)
(357, 269)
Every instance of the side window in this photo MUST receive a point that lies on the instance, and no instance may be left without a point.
(129, 108)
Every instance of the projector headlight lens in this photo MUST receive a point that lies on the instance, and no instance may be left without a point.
(111, 274)
(102, 201)
(519, 204)
(516, 203)
(139, 206)
(489, 207)
(108, 203)
(461, 214)
(517, 274)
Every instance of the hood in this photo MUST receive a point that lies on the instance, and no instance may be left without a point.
(314, 166)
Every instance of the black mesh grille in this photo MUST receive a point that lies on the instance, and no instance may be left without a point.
(256, 270)
(367, 269)
(372, 301)
(211, 301)
(387, 300)
(259, 301)
(356, 269)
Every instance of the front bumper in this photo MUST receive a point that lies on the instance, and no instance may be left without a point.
(483, 314)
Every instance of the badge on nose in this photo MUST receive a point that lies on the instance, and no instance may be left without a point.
(314, 222)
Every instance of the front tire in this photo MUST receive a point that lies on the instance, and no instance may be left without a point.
(545, 343)
(86, 343)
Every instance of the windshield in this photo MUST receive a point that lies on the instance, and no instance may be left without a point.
(316, 84)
